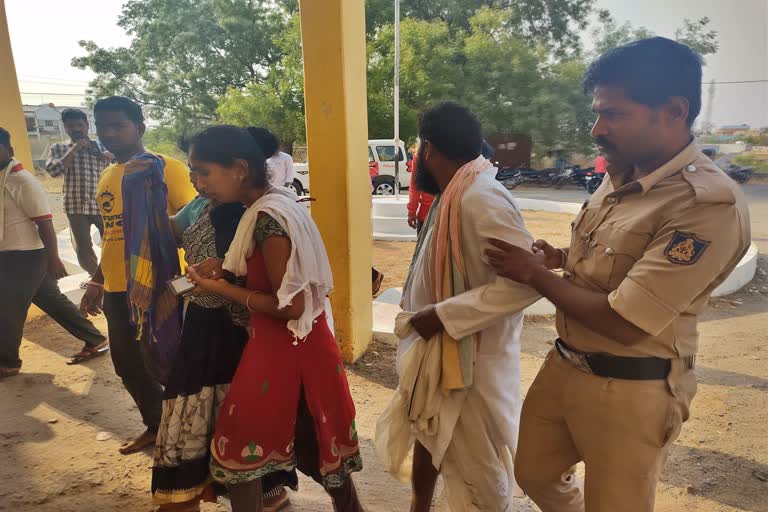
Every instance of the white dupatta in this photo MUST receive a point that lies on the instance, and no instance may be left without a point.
(308, 270)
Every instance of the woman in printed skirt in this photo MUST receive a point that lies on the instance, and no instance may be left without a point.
(212, 340)
(289, 405)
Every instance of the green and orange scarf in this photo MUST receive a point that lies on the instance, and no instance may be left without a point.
(450, 277)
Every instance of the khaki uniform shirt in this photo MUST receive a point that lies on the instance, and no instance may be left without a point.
(658, 246)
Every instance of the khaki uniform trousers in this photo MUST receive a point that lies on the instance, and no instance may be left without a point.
(621, 429)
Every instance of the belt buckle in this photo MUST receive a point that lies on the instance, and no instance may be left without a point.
(577, 360)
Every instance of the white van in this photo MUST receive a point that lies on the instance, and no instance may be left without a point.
(381, 157)
(382, 151)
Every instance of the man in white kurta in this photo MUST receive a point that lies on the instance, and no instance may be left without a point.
(476, 461)
(471, 433)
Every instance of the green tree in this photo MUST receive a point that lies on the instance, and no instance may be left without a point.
(563, 112)
(696, 34)
(165, 140)
(430, 70)
(276, 103)
(512, 87)
(503, 74)
(185, 54)
(552, 23)
(609, 34)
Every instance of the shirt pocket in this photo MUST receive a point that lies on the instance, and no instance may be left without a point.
(579, 218)
(579, 222)
(613, 253)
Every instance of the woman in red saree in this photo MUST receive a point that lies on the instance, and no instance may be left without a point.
(289, 404)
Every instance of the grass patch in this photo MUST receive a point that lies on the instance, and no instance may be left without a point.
(758, 162)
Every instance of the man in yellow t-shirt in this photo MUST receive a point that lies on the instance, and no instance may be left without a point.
(120, 127)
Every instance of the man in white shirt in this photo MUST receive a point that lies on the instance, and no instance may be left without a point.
(279, 164)
(476, 439)
(30, 264)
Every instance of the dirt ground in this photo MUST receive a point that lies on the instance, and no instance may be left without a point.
(53, 415)
(60, 426)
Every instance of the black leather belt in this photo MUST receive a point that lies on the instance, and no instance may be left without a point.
(616, 367)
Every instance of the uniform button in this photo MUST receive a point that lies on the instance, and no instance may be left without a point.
(611, 200)
(609, 251)
(691, 168)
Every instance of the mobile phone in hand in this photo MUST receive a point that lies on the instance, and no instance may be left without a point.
(181, 285)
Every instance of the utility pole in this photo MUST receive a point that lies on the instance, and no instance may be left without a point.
(397, 99)
(707, 126)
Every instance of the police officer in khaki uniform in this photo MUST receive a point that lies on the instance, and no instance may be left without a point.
(646, 252)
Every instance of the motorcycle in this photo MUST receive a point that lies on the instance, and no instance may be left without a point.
(739, 174)
(574, 175)
(511, 177)
(592, 181)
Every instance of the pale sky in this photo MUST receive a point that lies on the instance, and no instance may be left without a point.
(743, 32)
(44, 35)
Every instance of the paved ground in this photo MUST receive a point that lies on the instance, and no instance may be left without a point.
(757, 195)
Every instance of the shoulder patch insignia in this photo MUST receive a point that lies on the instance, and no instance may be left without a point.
(685, 248)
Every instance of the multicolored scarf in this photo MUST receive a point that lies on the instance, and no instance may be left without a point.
(450, 277)
(151, 259)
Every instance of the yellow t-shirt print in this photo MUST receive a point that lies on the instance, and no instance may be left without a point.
(109, 195)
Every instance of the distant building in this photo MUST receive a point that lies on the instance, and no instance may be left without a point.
(738, 130)
(45, 128)
(718, 139)
(45, 120)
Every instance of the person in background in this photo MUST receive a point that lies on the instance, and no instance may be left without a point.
(419, 202)
(81, 161)
(279, 164)
(487, 150)
(377, 277)
(601, 164)
(560, 162)
(191, 211)
(120, 126)
(30, 265)
(289, 405)
(410, 154)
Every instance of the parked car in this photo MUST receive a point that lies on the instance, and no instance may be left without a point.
(381, 169)
(301, 178)
(382, 152)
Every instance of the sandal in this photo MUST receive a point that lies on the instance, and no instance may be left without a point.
(277, 503)
(89, 353)
(8, 372)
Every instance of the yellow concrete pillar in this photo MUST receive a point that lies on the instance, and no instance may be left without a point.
(333, 39)
(11, 112)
